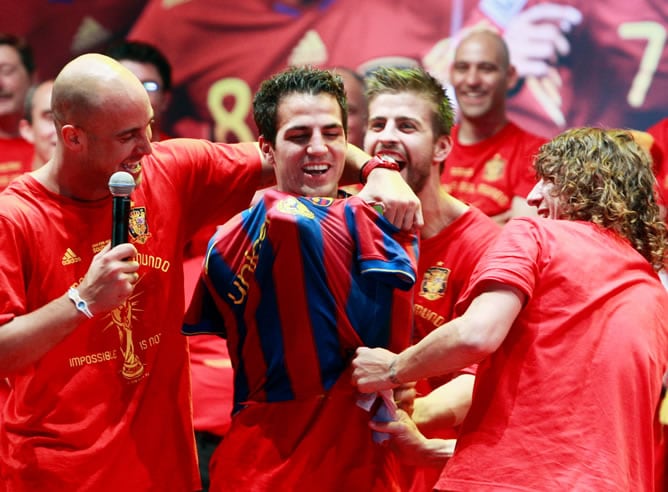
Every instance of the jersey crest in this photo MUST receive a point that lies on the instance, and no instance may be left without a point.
(434, 283)
(138, 225)
(494, 168)
(292, 206)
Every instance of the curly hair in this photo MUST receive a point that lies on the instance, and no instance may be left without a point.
(395, 80)
(605, 177)
(295, 80)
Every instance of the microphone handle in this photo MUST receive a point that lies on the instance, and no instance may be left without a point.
(120, 220)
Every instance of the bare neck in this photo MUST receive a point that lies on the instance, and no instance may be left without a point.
(439, 209)
(66, 181)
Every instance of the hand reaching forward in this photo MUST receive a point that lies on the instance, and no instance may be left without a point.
(371, 369)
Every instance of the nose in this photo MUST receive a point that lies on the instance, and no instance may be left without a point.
(316, 144)
(535, 196)
(388, 135)
(472, 76)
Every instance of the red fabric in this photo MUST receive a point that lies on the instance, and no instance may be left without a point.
(490, 173)
(210, 368)
(551, 407)
(108, 408)
(659, 153)
(328, 443)
(59, 30)
(15, 159)
(446, 262)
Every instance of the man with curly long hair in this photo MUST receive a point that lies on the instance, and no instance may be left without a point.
(570, 322)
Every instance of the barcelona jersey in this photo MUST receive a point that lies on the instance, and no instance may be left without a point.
(296, 284)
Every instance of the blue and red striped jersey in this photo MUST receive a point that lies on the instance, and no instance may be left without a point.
(296, 284)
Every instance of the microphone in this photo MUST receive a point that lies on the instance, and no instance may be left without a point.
(121, 184)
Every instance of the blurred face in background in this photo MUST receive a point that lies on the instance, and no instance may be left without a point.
(357, 107)
(481, 77)
(150, 78)
(40, 129)
(14, 82)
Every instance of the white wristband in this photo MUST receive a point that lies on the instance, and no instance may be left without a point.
(79, 303)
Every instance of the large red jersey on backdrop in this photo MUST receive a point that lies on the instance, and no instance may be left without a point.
(221, 50)
(610, 342)
(615, 76)
(59, 30)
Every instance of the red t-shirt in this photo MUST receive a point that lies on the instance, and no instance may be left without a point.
(445, 265)
(108, 408)
(15, 159)
(568, 401)
(490, 173)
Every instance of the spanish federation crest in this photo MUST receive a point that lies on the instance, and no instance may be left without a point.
(434, 283)
(138, 225)
(494, 168)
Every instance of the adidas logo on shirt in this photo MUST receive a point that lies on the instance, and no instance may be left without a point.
(70, 257)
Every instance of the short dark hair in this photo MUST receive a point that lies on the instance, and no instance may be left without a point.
(141, 52)
(22, 47)
(390, 80)
(300, 80)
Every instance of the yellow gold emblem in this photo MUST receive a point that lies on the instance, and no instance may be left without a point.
(494, 168)
(292, 206)
(434, 283)
(138, 225)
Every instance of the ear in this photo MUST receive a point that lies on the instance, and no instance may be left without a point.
(442, 148)
(513, 78)
(71, 137)
(267, 150)
(26, 131)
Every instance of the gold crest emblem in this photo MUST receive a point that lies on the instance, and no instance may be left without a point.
(138, 225)
(292, 206)
(434, 283)
(494, 168)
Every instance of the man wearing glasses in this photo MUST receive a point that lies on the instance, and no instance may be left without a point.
(155, 73)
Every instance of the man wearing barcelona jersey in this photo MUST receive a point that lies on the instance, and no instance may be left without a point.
(90, 335)
(490, 165)
(567, 314)
(296, 284)
(410, 121)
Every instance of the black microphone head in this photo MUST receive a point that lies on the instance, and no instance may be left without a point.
(121, 183)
